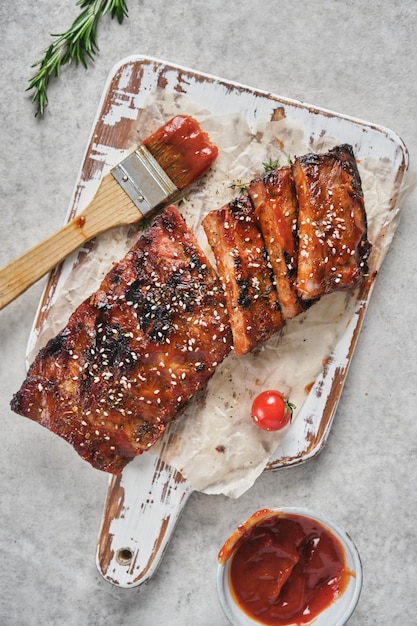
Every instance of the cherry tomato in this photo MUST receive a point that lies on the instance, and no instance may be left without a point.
(271, 410)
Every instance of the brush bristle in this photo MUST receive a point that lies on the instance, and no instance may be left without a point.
(182, 149)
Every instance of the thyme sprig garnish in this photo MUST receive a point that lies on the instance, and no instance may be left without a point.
(76, 45)
(241, 186)
(272, 164)
(238, 185)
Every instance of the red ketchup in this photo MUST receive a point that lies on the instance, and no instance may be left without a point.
(285, 568)
(182, 149)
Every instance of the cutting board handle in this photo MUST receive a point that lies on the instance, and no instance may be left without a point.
(141, 511)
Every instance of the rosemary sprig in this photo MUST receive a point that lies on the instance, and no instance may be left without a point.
(76, 45)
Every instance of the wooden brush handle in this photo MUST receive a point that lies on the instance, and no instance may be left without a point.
(110, 207)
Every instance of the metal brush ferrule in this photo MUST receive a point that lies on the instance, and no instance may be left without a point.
(144, 181)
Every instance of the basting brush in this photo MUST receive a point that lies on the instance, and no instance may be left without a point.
(155, 174)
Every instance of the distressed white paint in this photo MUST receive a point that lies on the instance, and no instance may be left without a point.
(151, 496)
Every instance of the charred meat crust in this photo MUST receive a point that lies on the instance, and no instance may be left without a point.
(276, 210)
(309, 221)
(134, 353)
(246, 274)
(332, 227)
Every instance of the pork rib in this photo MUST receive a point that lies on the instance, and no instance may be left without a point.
(332, 226)
(135, 352)
(245, 272)
(276, 209)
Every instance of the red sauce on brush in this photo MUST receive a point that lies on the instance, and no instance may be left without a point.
(182, 149)
(285, 568)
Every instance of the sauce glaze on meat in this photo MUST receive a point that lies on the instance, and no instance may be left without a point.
(135, 352)
(332, 227)
(276, 210)
(246, 274)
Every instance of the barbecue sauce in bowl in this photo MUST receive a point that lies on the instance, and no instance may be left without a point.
(284, 568)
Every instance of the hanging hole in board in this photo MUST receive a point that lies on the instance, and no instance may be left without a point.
(124, 556)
